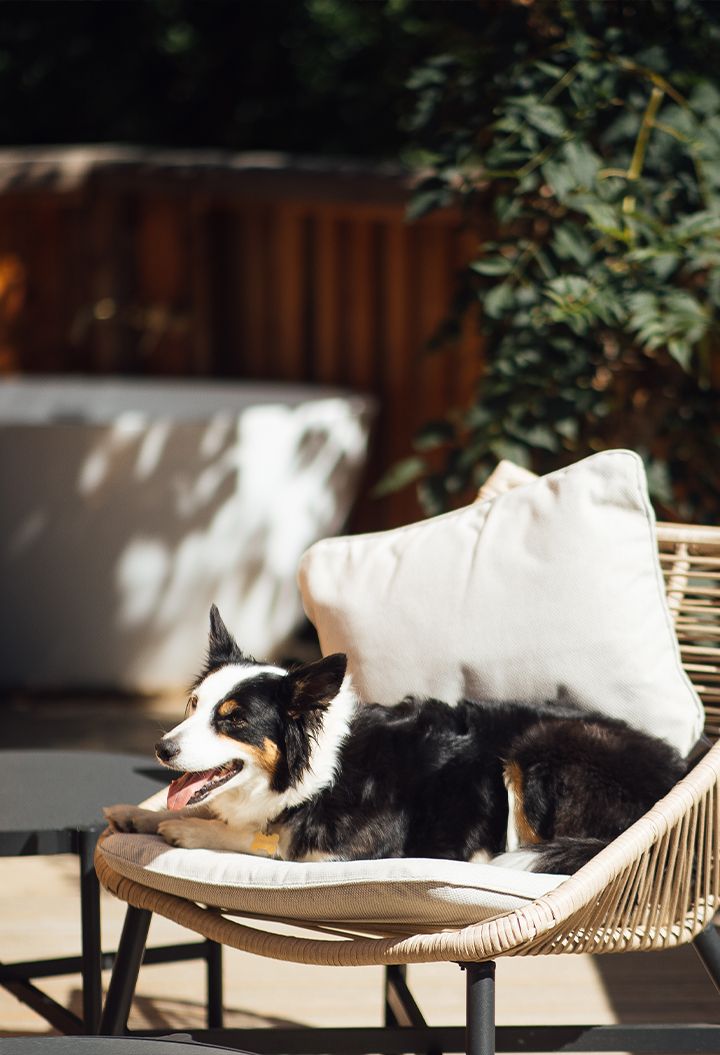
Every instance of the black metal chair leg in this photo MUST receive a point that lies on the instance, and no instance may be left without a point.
(391, 1018)
(480, 1008)
(707, 946)
(90, 926)
(125, 972)
(213, 958)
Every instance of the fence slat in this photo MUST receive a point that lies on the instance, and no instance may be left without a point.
(361, 346)
(192, 277)
(325, 340)
(289, 271)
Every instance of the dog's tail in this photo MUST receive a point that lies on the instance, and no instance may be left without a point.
(562, 856)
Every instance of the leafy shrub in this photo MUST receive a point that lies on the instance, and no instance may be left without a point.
(585, 154)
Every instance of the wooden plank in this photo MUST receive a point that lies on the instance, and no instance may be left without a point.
(253, 291)
(359, 309)
(469, 353)
(46, 290)
(288, 266)
(114, 268)
(325, 293)
(399, 373)
(201, 283)
(18, 332)
(434, 293)
(161, 312)
(162, 254)
(395, 281)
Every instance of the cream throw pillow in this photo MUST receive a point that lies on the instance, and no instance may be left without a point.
(552, 588)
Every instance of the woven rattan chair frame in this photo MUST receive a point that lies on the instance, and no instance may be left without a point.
(654, 887)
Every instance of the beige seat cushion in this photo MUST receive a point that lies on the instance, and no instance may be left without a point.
(425, 894)
(551, 589)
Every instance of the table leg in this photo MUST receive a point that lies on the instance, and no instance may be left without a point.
(90, 918)
(213, 960)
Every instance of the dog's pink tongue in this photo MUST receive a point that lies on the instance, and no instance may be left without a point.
(182, 790)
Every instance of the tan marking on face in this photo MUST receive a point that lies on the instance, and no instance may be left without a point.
(514, 779)
(266, 756)
(226, 708)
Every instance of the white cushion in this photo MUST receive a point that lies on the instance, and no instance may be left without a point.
(425, 894)
(553, 587)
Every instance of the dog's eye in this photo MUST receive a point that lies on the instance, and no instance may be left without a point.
(191, 706)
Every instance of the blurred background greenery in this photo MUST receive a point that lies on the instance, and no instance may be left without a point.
(579, 141)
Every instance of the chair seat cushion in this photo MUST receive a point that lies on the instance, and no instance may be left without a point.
(426, 894)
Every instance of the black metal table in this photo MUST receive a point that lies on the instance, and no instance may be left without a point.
(180, 1044)
(51, 803)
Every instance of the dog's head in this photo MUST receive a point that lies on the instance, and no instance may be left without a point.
(247, 724)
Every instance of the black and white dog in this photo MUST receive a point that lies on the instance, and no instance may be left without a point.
(286, 763)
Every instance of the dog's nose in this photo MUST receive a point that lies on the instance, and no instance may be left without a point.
(166, 750)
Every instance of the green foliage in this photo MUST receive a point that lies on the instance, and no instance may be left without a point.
(591, 136)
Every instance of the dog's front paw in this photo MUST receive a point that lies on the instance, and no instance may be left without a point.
(190, 833)
(124, 818)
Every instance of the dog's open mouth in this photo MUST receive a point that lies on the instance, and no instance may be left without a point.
(191, 788)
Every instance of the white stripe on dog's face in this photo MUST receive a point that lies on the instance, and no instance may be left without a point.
(217, 685)
(199, 745)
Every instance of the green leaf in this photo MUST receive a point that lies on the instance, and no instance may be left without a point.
(551, 69)
(424, 202)
(498, 300)
(547, 119)
(571, 243)
(398, 476)
(681, 352)
(568, 290)
(497, 265)
(697, 225)
(583, 160)
(434, 434)
(539, 436)
(568, 428)
(705, 98)
(433, 491)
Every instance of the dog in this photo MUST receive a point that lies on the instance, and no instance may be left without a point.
(286, 763)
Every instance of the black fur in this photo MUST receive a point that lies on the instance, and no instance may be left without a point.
(425, 779)
(222, 647)
(285, 709)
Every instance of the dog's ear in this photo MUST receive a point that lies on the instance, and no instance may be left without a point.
(314, 685)
(222, 646)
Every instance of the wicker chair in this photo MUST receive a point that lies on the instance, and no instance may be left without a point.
(654, 887)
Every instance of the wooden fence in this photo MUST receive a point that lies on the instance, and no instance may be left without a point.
(135, 262)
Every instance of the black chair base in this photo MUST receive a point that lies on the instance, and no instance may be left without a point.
(406, 1030)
